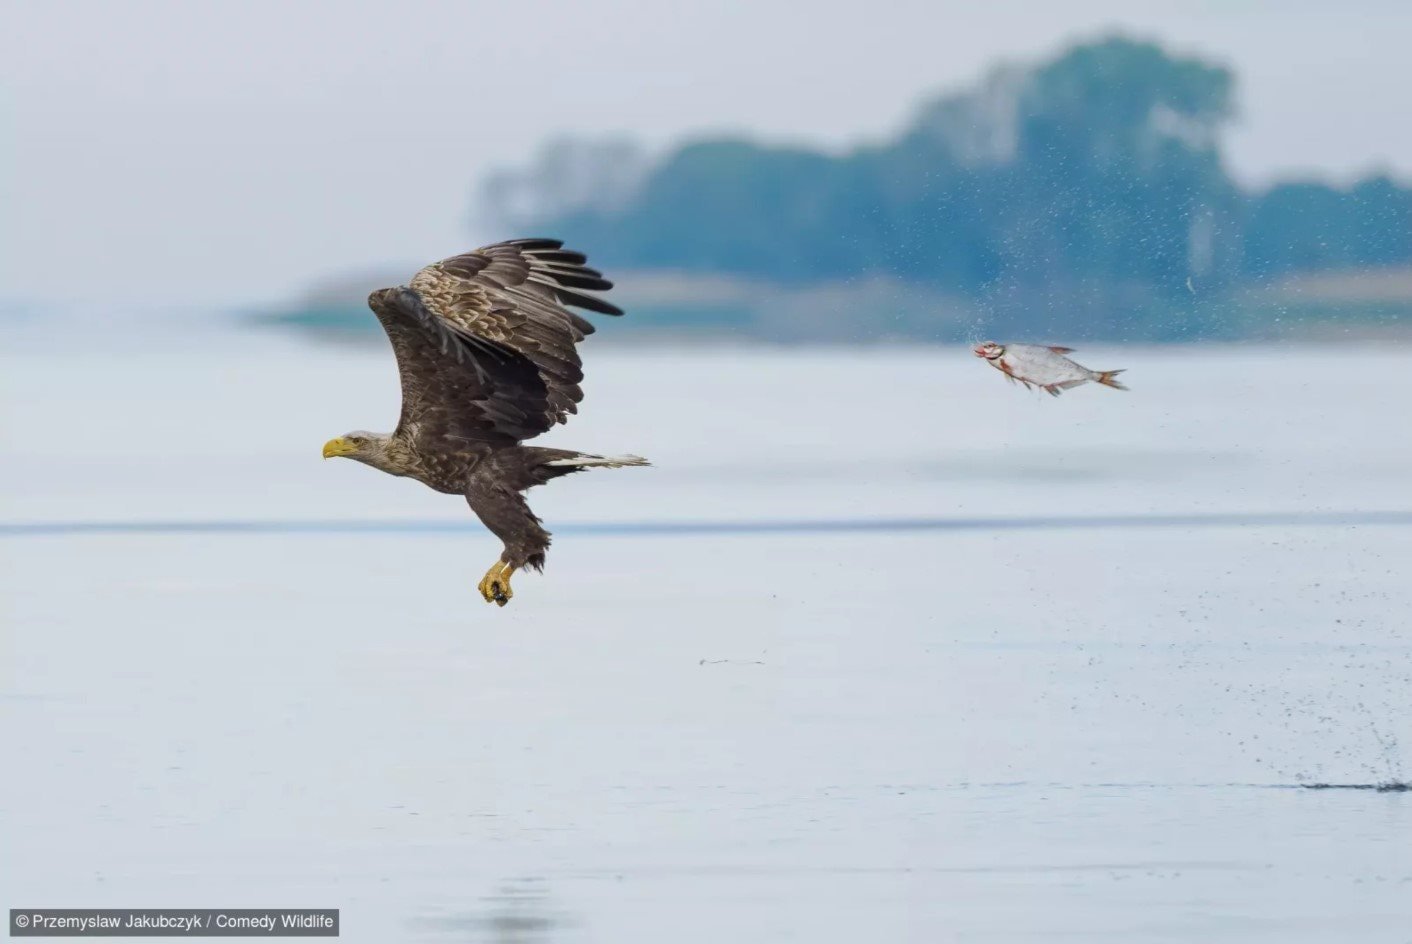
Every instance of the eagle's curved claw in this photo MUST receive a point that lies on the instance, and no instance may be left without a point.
(495, 585)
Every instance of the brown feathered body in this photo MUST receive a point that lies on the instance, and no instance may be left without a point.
(486, 349)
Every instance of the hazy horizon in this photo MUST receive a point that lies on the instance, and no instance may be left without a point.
(169, 154)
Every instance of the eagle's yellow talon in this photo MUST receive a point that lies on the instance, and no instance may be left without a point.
(494, 587)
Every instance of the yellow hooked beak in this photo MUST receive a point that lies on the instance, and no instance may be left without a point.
(338, 447)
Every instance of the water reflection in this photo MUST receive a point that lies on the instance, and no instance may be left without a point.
(520, 912)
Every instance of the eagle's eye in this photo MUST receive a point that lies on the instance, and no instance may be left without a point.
(357, 440)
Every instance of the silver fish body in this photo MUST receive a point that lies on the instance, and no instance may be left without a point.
(1044, 367)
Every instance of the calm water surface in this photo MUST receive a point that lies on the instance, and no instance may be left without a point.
(697, 727)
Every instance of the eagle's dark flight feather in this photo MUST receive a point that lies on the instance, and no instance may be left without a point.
(485, 342)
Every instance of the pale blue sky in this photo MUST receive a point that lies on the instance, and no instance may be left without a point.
(236, 152)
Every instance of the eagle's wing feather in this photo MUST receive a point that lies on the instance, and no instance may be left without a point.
(485, 343)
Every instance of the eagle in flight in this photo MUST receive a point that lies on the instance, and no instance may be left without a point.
(486, 349)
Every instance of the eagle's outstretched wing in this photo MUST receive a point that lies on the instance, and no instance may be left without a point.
(485, 344)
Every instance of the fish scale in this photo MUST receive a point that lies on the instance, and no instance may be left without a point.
(1042, 366)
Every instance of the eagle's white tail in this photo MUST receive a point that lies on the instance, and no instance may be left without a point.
(600, 462)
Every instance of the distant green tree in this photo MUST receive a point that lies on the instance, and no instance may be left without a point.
(1382, 222)
(728, 206)
(1117, 151)
(1298, 226)
(1090, 187)
(1312, 226)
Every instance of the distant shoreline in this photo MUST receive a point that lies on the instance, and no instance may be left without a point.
(1344, 305)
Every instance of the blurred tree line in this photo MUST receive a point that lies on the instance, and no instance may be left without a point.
(1090, 187)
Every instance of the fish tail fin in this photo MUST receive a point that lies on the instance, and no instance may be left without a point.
(1109, 379)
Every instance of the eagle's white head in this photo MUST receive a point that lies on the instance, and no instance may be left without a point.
(366, 447)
